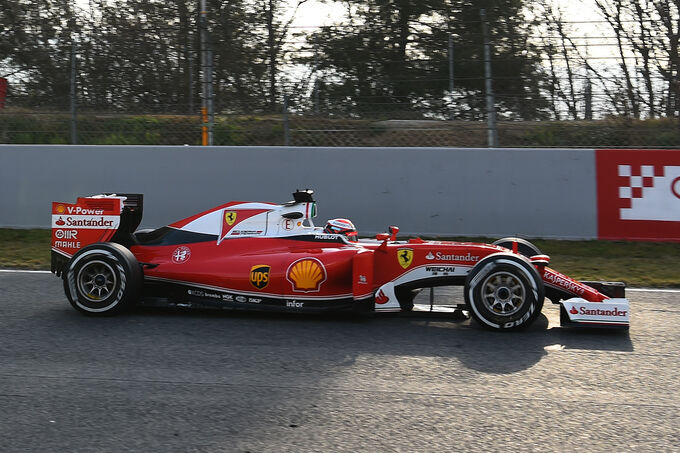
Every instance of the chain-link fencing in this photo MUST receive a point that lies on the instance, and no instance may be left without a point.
(474, 86)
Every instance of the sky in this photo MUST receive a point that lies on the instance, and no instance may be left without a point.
(315, 13)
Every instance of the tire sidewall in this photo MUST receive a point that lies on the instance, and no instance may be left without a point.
(524, 247)
(524, 271)
(125, 269)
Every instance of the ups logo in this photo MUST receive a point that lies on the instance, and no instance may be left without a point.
(259, 276)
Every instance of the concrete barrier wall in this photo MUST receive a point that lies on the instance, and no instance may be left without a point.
(547, 193)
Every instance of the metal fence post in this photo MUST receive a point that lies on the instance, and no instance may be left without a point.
(74, 118)
(492, 133)
(588, 89)
(588, 95)
(211, 96)
(190, 57)
(286, 126)
(316, 75)
(206, 74)
(451, 115)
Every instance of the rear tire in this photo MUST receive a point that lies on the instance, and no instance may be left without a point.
(103, 279)
(504, 292)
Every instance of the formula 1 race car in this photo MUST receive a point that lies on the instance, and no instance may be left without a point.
(265, 256)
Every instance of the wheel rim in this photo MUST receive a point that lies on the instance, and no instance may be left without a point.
(503, 293)
(96, 281)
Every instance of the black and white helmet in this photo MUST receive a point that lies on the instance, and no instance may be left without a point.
(341, 226)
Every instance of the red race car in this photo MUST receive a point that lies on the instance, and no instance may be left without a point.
(266, 256)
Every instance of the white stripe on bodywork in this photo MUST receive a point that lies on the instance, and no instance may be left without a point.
(248, 293)
(207, 224)
(211, 222)
(419, 273)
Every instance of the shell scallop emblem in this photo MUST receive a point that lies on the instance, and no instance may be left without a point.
(306, 275)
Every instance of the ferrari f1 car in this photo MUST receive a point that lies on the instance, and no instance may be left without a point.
(265, 256)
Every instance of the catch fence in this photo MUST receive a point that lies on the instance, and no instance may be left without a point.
(557, 87)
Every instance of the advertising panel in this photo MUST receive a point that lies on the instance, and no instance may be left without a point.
(638, 194)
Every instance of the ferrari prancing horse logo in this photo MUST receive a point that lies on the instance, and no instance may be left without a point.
(230, 217)
(405, 257)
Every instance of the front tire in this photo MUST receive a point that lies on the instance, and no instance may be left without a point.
(524, 247)
(504, 292)
(103, 279)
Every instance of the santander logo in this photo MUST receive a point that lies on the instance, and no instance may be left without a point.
(381, 298)
(584, 311)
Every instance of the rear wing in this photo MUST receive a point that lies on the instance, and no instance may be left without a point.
(99, 218)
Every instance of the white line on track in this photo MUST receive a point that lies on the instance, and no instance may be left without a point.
(22, 271)
(638, 290)
(652, 290)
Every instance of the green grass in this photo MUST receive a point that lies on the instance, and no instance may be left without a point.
(22, 126)
(25, 249)
(640, 264)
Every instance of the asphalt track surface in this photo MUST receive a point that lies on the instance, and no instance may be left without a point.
(164, 381)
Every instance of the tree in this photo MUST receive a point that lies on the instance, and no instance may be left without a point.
(35, 48)
(143, 55)
(647, 32)
(395, 53)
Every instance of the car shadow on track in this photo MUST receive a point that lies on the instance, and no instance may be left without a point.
(413, 335)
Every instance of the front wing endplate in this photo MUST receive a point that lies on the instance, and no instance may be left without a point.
(608, 313)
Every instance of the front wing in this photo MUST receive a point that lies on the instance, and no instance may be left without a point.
(613, 312)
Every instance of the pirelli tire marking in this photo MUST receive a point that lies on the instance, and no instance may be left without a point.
(510, 272)
(102, 279)
(73, 288)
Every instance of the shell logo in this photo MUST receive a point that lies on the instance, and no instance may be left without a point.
(60, 209)
(306, 275)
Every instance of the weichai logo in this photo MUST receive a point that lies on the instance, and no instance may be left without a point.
(259, 276)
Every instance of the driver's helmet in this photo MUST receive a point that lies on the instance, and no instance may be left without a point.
(341, 226)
